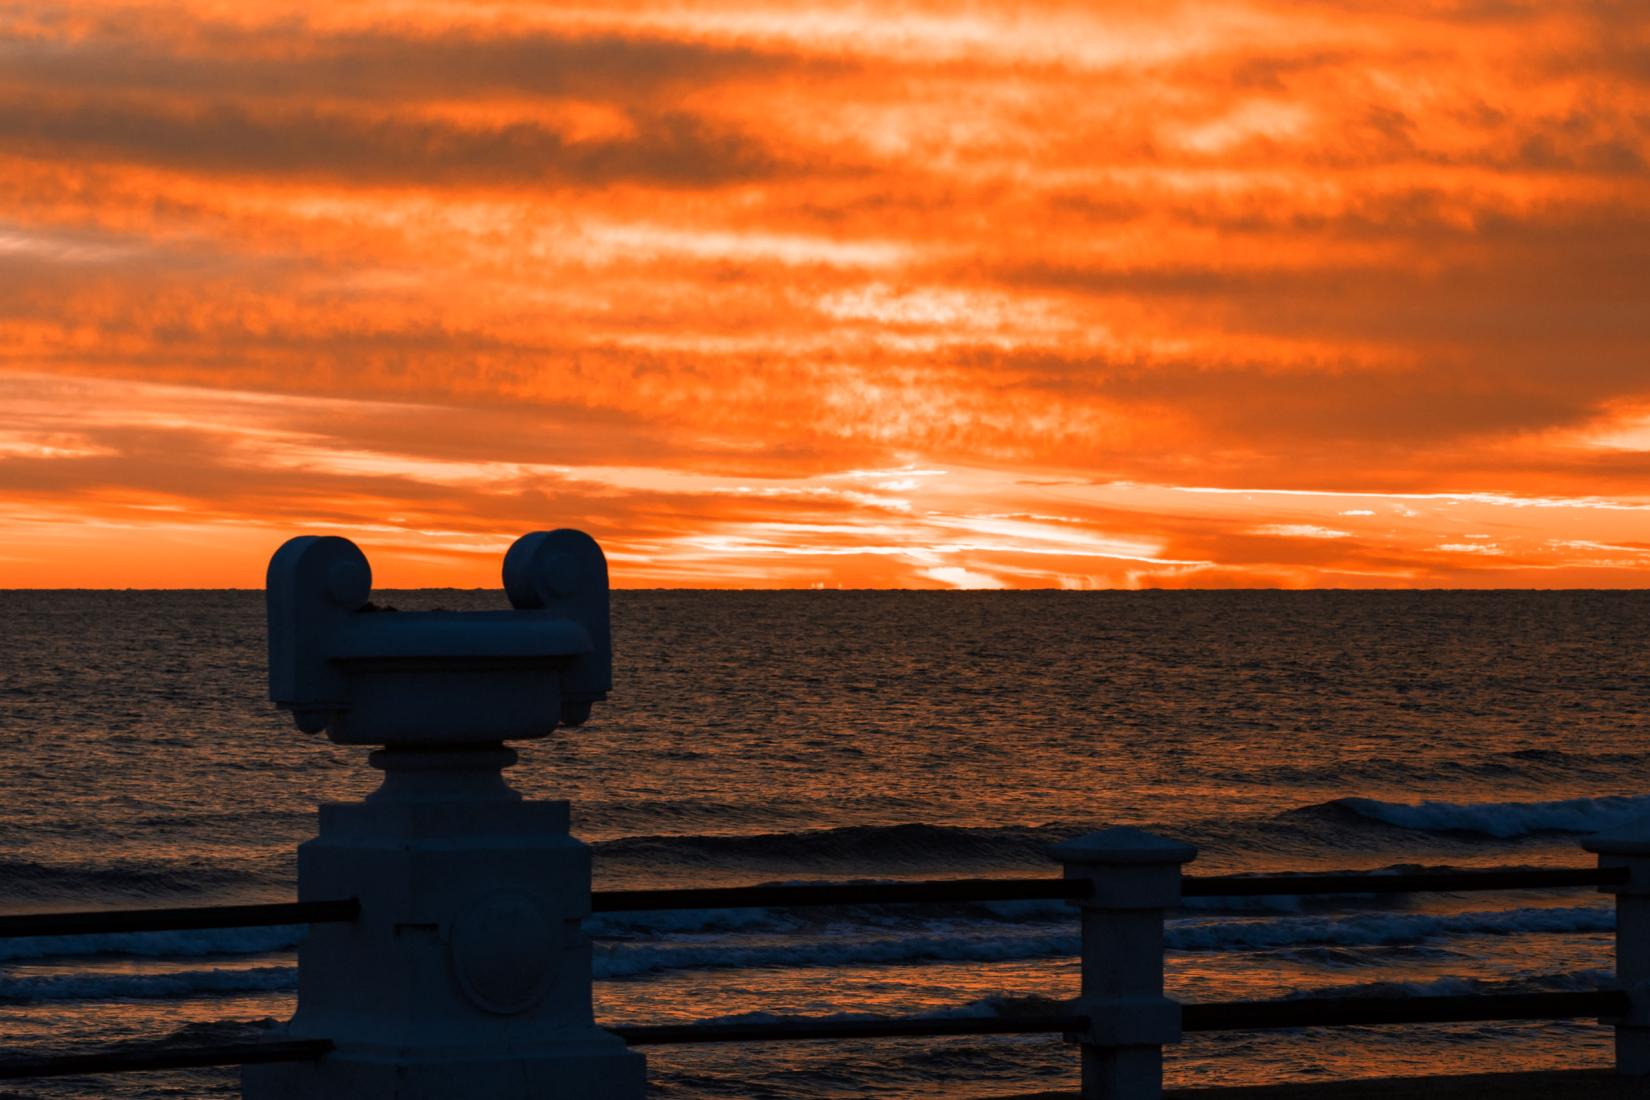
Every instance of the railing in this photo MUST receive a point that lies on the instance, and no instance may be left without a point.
(1122, 1020)
(138, 1058)
(189, 918)
(147, 1058)
(1122, 882)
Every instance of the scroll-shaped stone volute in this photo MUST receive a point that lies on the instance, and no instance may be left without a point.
(564, 573)
(439, 679)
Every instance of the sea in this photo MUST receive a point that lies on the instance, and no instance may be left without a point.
(765, 737)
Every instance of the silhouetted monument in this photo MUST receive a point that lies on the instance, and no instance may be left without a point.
(467, 973)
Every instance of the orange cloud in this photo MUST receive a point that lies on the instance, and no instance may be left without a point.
(1064, 295)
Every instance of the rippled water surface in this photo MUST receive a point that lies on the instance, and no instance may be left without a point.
(758, 737)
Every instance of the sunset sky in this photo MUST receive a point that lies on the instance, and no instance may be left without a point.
(1100, 294)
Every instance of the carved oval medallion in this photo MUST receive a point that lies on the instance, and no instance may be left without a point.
(503, 949)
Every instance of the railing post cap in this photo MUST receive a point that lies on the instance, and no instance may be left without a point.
(1631, 839)
(1123, 845)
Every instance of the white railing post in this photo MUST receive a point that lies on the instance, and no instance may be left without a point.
(1135, 876)
(1630, 848)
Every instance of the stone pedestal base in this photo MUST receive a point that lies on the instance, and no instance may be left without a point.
(467, 973)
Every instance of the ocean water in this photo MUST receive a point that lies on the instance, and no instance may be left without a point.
(813, 736)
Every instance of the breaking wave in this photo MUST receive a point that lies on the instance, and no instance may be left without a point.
(16, 988)
(1580, 981)
(192, 944)
(1501, 820)
(627, 960)
(26, 878)
(913, 844)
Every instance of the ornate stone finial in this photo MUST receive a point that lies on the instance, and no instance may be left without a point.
(467, 972)
(448, 679)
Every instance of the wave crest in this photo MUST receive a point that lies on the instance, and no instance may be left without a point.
(110, 987)
(625, 960)
(192, 944)
(1501, 820)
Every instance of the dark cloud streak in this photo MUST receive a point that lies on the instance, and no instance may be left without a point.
(386, 66)
(668, 150)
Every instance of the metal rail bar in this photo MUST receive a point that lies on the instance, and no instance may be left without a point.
(887, 1028)
(140, 1060)
(179, 919)
(1229, 886)
(1208, 1016)
(1353, 1011)
(867, 893)
(884, 893)
(1025, 889)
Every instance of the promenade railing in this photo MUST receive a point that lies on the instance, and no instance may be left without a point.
(1122, 883)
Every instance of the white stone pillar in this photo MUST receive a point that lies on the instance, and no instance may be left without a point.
(1630, 848)
(467, 973)
(1135, 876)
